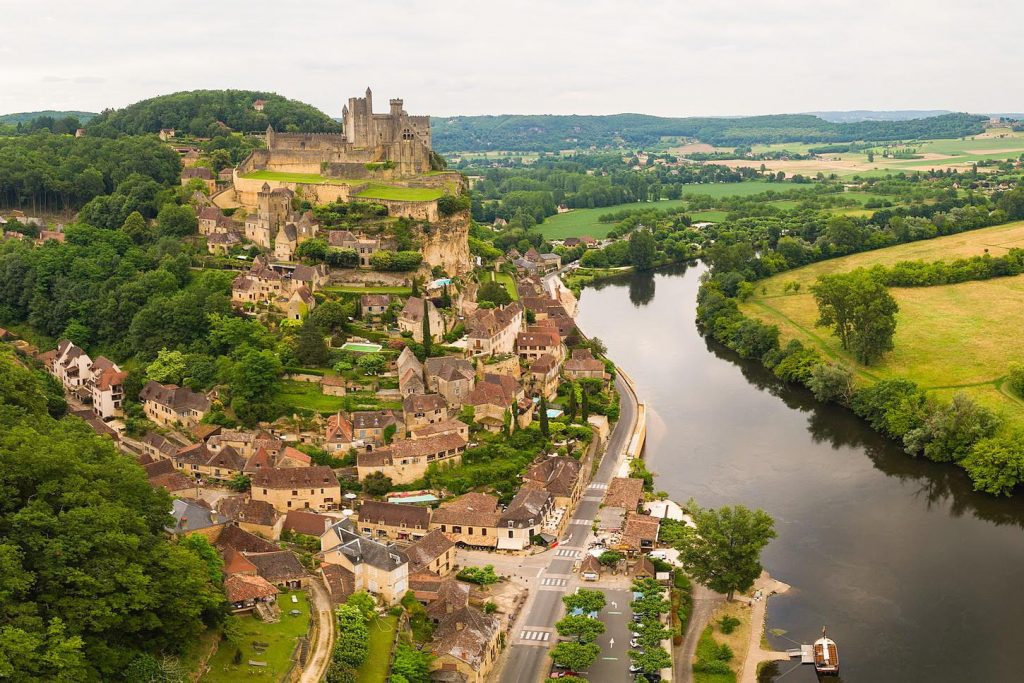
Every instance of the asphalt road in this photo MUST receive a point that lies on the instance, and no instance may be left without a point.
(613, 664)
(534, 633)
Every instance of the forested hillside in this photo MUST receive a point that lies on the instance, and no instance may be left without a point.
(26, 116)
(91, 588)
(59, 172)
(200, 112)
(550, 133)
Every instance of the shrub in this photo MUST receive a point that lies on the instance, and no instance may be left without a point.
(728, 624)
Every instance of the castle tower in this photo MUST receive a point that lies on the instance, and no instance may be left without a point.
(270, 137)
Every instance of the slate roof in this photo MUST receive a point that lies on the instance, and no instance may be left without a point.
(365, 550)
(244, 509)
(239, 539)
(373, 419)
(528, 504)
(191, 516)
(277, 567)
(174, 396)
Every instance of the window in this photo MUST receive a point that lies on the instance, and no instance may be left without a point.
(470, 531)
(483, 532)
(456, 529)
(510, 533)
(294, 492)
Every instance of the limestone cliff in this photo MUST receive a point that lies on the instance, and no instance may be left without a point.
(445, 243)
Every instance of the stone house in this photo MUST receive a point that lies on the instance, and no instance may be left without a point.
(244, 592)
(411, 319)
(393, 521)
(201, 463)
(560, 476)
(222, 243)
(438, 428)
(421, 410)
(308, 523)
(407, 460)
(450, 376)
(255, 516)
(590, 568)
(373, 306)
(529, 514)
(410, 373)
(543, 375)
(639, 533)
(493, 331)
(466, 642)
(314, 488)
(470, 519)
(285, 242)
(333, 385)
(433, 552)
(378, 568)
(539, 340)
(280, 568)
(338, 438)
(199, 173)
(168, 404)
(364, 246)
(196, 516)
(582, 365)
(369, 425)
(212, 221)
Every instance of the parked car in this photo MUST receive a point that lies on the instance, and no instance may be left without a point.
(562, 673)
(634, 643)
(634, 669)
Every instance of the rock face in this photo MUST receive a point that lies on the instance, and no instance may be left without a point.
(445, 243)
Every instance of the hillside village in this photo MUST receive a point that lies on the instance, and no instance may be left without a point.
(470, 413)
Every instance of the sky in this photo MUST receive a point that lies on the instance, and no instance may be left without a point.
(670, 58)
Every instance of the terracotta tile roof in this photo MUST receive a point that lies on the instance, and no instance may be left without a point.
(556, 475)
(439, 445)
(591, 564)
(643, 567)
(394, 514)
(473, 509)
(445, 427)
(236, 563)
(368, 300)
(428, 549)
(638, 528)
(423, 581)
(340, 582)
(176, 481)
(339, 429)
(486, 393)
(624, 492)
(424, 403)
(239, 588)
(294, 455)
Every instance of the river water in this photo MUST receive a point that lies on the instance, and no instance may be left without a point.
(917, 577)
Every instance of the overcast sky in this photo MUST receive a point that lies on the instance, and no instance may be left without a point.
(673, 58)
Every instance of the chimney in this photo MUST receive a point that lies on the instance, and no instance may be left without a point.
(459, 626)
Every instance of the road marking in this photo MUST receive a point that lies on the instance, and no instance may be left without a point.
(567, 552)
(610, 659)
(581, 522)
(598, 486)
(614, 612)
(535, 635)
(548, 581)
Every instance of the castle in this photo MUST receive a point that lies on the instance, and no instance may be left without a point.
(368, 142)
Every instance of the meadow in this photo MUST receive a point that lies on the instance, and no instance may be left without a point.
(308, 178)
(949, 338)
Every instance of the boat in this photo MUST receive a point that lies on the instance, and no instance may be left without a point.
(826, 655)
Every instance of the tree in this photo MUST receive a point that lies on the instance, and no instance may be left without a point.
(724, 550)
(167, 368)
(651, 659)
(575, 656)
(364, 602)
(585, 600)
(861, 311)
(543, 408)
(255, 382)
(830, 382)
(427, 340)
(414, 665)
(482, 576)
(372, 363)
(570, 401)
(353, 641)
(581, 627)
(240, 483)
(377, 483)
(494, 292)
(585, 407)
(176, 221)
(78, 520)
(135, 227)
(609, 558)
(642, 249)
(310, 349)
(996, 465)
(948, 432)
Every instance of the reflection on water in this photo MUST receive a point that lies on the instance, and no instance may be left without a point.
(916, 575)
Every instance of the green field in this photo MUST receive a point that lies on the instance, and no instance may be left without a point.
(308, 178)
(307, 395)
(509, 282)
(948, 338)
(378, 660)
(281, 638)
(405, 194)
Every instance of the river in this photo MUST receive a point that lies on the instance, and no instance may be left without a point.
(917, 577)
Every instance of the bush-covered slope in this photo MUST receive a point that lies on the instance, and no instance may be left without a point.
(199, 111)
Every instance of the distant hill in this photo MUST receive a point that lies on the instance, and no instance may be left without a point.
(551, 133)
(856, 115)
(25, 116)
(200, 112)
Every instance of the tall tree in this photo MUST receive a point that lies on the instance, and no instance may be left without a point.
(723, 551)
(642, 249)
(427, 341)
(860, 310)
(310, 348)
(543, 408)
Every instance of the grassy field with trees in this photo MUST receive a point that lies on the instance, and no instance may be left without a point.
(948, 337)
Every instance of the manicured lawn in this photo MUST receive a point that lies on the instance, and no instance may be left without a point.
(510, 284)
(308, 395)
(406, 194)
(309, 178)
(382, 636)
(401, 291)
(281, 638)
(960, 337)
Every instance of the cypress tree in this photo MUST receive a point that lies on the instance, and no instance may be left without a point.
(571, 403)
(585, 410)
(543, 416)
(426, 329)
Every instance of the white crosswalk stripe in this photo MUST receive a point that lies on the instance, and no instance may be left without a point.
(581, 522)
(535, 635)
(551, 581)
(567, 552)
(598, 487)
